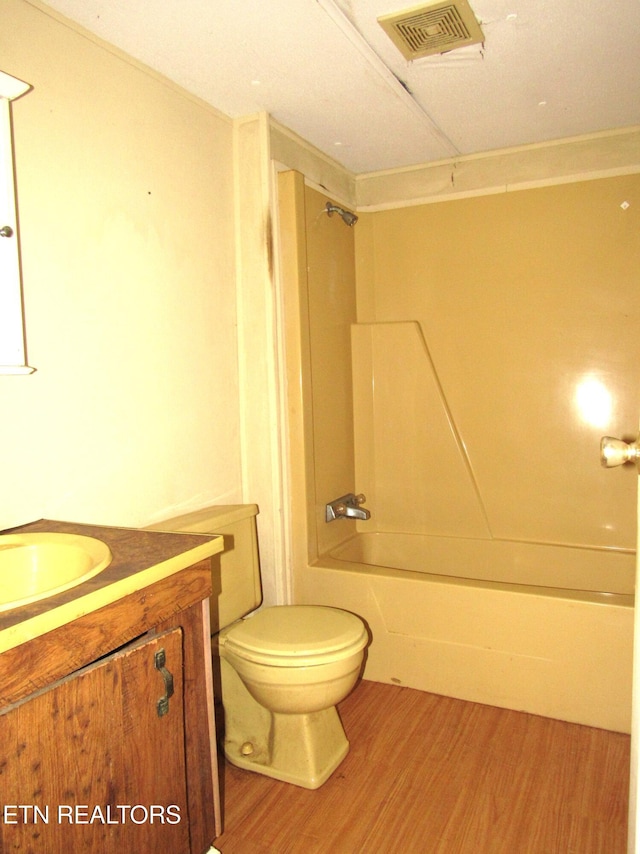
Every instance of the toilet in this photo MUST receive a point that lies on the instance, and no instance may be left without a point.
(283, 669)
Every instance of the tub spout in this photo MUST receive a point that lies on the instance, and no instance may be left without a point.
(347, 507)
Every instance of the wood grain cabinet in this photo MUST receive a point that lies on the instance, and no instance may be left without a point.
(118, 755)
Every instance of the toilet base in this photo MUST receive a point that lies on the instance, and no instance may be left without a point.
(305, 748)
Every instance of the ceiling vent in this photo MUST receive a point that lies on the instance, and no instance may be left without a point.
(432, 28)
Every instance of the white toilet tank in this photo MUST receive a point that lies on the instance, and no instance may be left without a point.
(236, 570)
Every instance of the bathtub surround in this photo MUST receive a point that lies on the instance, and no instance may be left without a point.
(502, 332)
(454, 363)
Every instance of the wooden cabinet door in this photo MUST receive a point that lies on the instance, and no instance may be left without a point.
(90, 764)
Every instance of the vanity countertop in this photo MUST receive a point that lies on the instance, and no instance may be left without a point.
(139, 558)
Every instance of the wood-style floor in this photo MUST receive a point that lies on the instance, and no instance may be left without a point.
(432, 775)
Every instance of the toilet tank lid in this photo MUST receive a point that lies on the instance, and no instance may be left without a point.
(295, 635)
(207, 520)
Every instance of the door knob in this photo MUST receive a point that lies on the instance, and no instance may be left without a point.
(616, 452)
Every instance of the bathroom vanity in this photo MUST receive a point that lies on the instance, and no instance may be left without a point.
(107, 735)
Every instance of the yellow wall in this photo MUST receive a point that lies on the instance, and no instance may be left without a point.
(126, 207)
(483, 316)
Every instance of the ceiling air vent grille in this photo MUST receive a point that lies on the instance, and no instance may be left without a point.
(432, 28)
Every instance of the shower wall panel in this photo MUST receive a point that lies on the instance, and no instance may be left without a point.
(412, 464)
(332, 310)
(530, 308)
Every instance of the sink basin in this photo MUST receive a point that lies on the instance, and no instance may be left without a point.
(36, 566)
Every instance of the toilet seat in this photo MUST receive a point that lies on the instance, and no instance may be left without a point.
(296, 636)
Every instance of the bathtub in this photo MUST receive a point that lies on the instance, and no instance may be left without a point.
(540, 628)
(558, 568)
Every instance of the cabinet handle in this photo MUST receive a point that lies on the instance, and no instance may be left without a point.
(162, 705)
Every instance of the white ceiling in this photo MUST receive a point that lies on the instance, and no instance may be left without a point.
(548, 69)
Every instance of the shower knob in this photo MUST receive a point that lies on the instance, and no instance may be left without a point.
(616, 452)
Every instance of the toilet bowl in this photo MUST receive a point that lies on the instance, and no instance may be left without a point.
(283, 669)
(283, 672)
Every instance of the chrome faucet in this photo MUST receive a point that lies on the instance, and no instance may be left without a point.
(347, 507)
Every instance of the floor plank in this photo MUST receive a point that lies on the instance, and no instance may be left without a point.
(434, 775)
